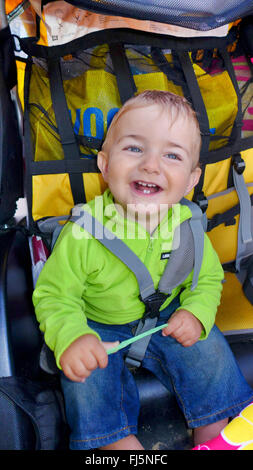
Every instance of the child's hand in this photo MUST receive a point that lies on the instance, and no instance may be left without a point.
(184, 327)
(84, 355)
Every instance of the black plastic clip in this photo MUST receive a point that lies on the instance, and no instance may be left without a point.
(202, 201)
(153, 304)
(238, 163)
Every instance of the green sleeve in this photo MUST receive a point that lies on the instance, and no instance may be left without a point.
(58, 296)
(204, 300)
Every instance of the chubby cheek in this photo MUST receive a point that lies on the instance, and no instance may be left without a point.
(111, 175)
(180, 179)
(116, 187)
(116, 167)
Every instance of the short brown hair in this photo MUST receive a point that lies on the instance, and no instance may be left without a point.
(176, 105)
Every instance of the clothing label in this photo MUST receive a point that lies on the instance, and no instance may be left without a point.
(65, 22)
(165, 255)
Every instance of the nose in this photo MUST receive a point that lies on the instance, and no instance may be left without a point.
(150, 163)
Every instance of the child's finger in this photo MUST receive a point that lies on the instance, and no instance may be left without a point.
(178, 333)
(72, 375)
(103, 356)
(108, 345)
(173, 325)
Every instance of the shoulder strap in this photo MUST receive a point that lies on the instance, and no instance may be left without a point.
(188, 254)
(119, 249)
(198, 225)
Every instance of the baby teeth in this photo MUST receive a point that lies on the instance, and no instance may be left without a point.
(146, 185)
(150, 185)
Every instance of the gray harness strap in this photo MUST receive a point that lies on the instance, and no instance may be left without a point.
(245, 236)
(119, 249)
(52, 226)
(198, 224)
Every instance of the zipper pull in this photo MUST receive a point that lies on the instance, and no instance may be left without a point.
(150, 245)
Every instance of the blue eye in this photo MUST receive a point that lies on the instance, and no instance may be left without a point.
(132, 148)
(172, 156)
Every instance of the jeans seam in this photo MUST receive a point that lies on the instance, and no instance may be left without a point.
(221, 411)
(121, 404)
(105, 436)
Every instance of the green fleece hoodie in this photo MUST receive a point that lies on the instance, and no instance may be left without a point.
(82, 279)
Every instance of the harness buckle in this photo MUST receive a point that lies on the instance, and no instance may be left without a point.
(238, 163)
(202, 201)
(152, 304)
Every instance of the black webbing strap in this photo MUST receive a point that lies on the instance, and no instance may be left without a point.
(65, 128)
(235, 135)
(64, 166)
(224, 153)
(124, 77)
(28, 147)
(162, 63)
(197, 99)
(126, 36)
(200, 110)
(172, 72)
(225, 217)
(86, 141)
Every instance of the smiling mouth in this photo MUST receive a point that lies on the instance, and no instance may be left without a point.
(146, 188)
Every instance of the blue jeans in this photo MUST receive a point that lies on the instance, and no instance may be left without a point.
(205, 378)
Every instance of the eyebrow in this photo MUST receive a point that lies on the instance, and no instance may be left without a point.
(131, 136)
(176, 145)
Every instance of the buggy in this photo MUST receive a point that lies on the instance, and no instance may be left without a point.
(121, 48)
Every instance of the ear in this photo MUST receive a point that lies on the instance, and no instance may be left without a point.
(193, 180)
(102, 163)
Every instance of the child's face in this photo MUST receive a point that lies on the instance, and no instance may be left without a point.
(148, 161)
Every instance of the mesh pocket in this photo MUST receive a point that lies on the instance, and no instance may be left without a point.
(18, 429)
